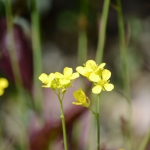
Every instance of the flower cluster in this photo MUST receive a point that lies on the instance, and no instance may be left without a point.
(3, 85)
(96, 74)
(92, 71)
(57, 81)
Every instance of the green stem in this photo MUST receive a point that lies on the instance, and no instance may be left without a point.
(82, 35)
(93, 112)
(11, 46)
(37, 60)
(145, 141)
(125, 71)
(102, 32)
(98, 123)
(63, 122)
(82, 46)
(123, 50)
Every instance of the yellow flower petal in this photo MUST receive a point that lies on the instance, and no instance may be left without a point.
(76, 103)
(44, 78)
(109, 87)
(74, 75)
(59, 75)
(3, 83)
(106, 74)
(47, 79)
(91, 65)
(64, 81)
(51, 76)
(89, 62)
(81, 70)
(102, 65)
(94, 77)
(46, 86)
(97, 89)
(68, 71)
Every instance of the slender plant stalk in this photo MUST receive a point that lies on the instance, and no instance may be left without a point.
(63, 122)
(99, 57)
(123, 50)
(102, 32)
(125, 72)
(11, 46)
(37, 60)
(82, 46)
(82, 35)
(15, 66)
(145, 141)
(98, 123)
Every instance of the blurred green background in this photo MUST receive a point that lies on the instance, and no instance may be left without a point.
(49, 35)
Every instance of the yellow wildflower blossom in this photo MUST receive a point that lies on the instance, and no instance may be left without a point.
(3, 84)
(90, 67)
(102, 82)
(57, 80)
(67, 77)
(47, 79)
(57, 85)
(81, 98)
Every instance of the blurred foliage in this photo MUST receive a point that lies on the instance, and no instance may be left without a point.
(21, 127)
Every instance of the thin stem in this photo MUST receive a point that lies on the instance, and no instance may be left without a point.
(82, 46)
(125, 72)
(93, 112)
(82, 35)
(99, 57)
(123, 50)
(98, 123)
(145, 141)
(36, 46)
(11, 46)
(63, 122)
(102, 32)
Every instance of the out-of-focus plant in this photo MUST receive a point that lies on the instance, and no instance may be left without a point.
(125, 73)
(82, 31)
(102, 32)
(145, 141)
(37, 61)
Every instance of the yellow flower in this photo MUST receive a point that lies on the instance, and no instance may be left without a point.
(102, 82)
(90, 67)
(56, 84)
(67, 77)
(3, 84)
(81, 98)
(47, 79)
(58, 80)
